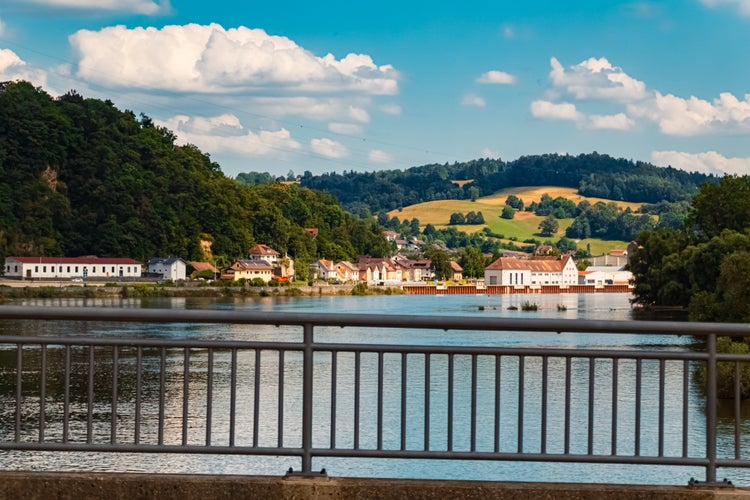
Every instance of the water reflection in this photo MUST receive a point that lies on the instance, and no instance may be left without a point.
(189, 394)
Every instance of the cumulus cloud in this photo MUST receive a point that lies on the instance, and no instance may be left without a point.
(148, 7)
(742, 5)
(226, 133)
(619, 121)
(694, 116)
(496, 77)
(596, 79)
(13, 67)
(709, 162)
(378, 156)
(329, 148)
(211, 59)
(391, 109)
(473, 100)
(345, 128)
(330, 108)
(555, 111)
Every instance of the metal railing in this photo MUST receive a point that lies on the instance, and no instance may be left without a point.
(319, 400)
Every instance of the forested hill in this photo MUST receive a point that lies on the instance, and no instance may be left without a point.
(80, 177)
(592, 174)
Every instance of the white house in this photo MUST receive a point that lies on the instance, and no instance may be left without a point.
(263, 252)
(605, 275)
(540, 271)
(171, 268)
(89, 266)
(325, 270)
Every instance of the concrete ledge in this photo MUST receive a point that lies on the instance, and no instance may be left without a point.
(111, 486)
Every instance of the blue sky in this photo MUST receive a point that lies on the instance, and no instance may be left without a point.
(333, 86)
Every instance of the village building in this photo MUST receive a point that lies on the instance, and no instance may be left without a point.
(325, 270)
(615, 258)
(283, 267)
(90, 266)
(605, 275)
(347, 271)
(199, 267)
(540, 271)
(457, 271)
(170, 268)
(248, 270)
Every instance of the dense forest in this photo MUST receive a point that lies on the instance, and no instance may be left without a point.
(81, 177)
(596, 175)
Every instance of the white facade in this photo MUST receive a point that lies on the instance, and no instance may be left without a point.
(171, 268)
(52, 268)
(605, 275)
(523, 272)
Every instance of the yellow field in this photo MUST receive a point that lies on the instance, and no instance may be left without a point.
(524, 225)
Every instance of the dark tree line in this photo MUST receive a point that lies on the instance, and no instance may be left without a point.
(82, 177)
(367, 193)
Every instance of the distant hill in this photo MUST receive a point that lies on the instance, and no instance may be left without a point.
(594, 175)
(80, 177)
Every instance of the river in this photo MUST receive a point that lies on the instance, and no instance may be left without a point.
(568, 306)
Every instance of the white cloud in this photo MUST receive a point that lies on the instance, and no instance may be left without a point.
(148, 7)
(391, 109)
(694, 116)
(596, 79)
(211, 59)
(489, 153)
(742, 5)
(473, 100)
(555, 111)
(619, 121)
(329, 148)
(13, 67)
(496, 77)
(709, 162)
(345, 128)
(225, 133)
(378, 156)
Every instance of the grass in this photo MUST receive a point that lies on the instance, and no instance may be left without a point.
(523, 226)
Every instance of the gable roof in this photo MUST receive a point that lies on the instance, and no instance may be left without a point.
(88, 259)
(533, 265)
(261, 249)
(203, 266)
(167, 261)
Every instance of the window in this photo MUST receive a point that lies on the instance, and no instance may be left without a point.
(36, 269)
(68, 268)
(44, 269)
(113, 268)
(76, 269)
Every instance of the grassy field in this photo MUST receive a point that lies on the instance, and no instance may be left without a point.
(524, 225)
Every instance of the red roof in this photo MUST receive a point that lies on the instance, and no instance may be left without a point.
(535, 265)
(261, 249)
(88, 259)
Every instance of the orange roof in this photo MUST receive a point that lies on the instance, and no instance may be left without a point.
(261, 249)
(534, 265)
(203, 266)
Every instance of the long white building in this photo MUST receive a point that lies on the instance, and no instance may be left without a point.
(544, 271)
(71, 267)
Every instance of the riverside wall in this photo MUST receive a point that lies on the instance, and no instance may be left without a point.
(116, 486)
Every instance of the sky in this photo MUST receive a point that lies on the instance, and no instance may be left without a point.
(335, 86)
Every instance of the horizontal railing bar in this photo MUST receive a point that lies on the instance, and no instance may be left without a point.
(320, 347)
(380, 320)
(372, 453)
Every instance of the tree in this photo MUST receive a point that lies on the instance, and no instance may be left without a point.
(472, 261)
(457, 218)
(508, 212)
(514, 201)
(441, 263)
(549, 226)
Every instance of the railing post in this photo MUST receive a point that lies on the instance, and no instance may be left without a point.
(307, 399)
(711, 403)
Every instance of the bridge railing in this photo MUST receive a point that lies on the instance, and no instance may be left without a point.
(318, 400)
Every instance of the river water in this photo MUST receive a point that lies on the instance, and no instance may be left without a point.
(584, 306)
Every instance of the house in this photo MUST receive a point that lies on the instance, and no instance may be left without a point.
(616, 258)
(605, 275)
(539, 271)
(264, 253)
(391, 235)
(200, 267)
(170, 268)
(248, 270)
(89, 266)
(457, 273)
(325, 270)
(347, 271)
(381, 270)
